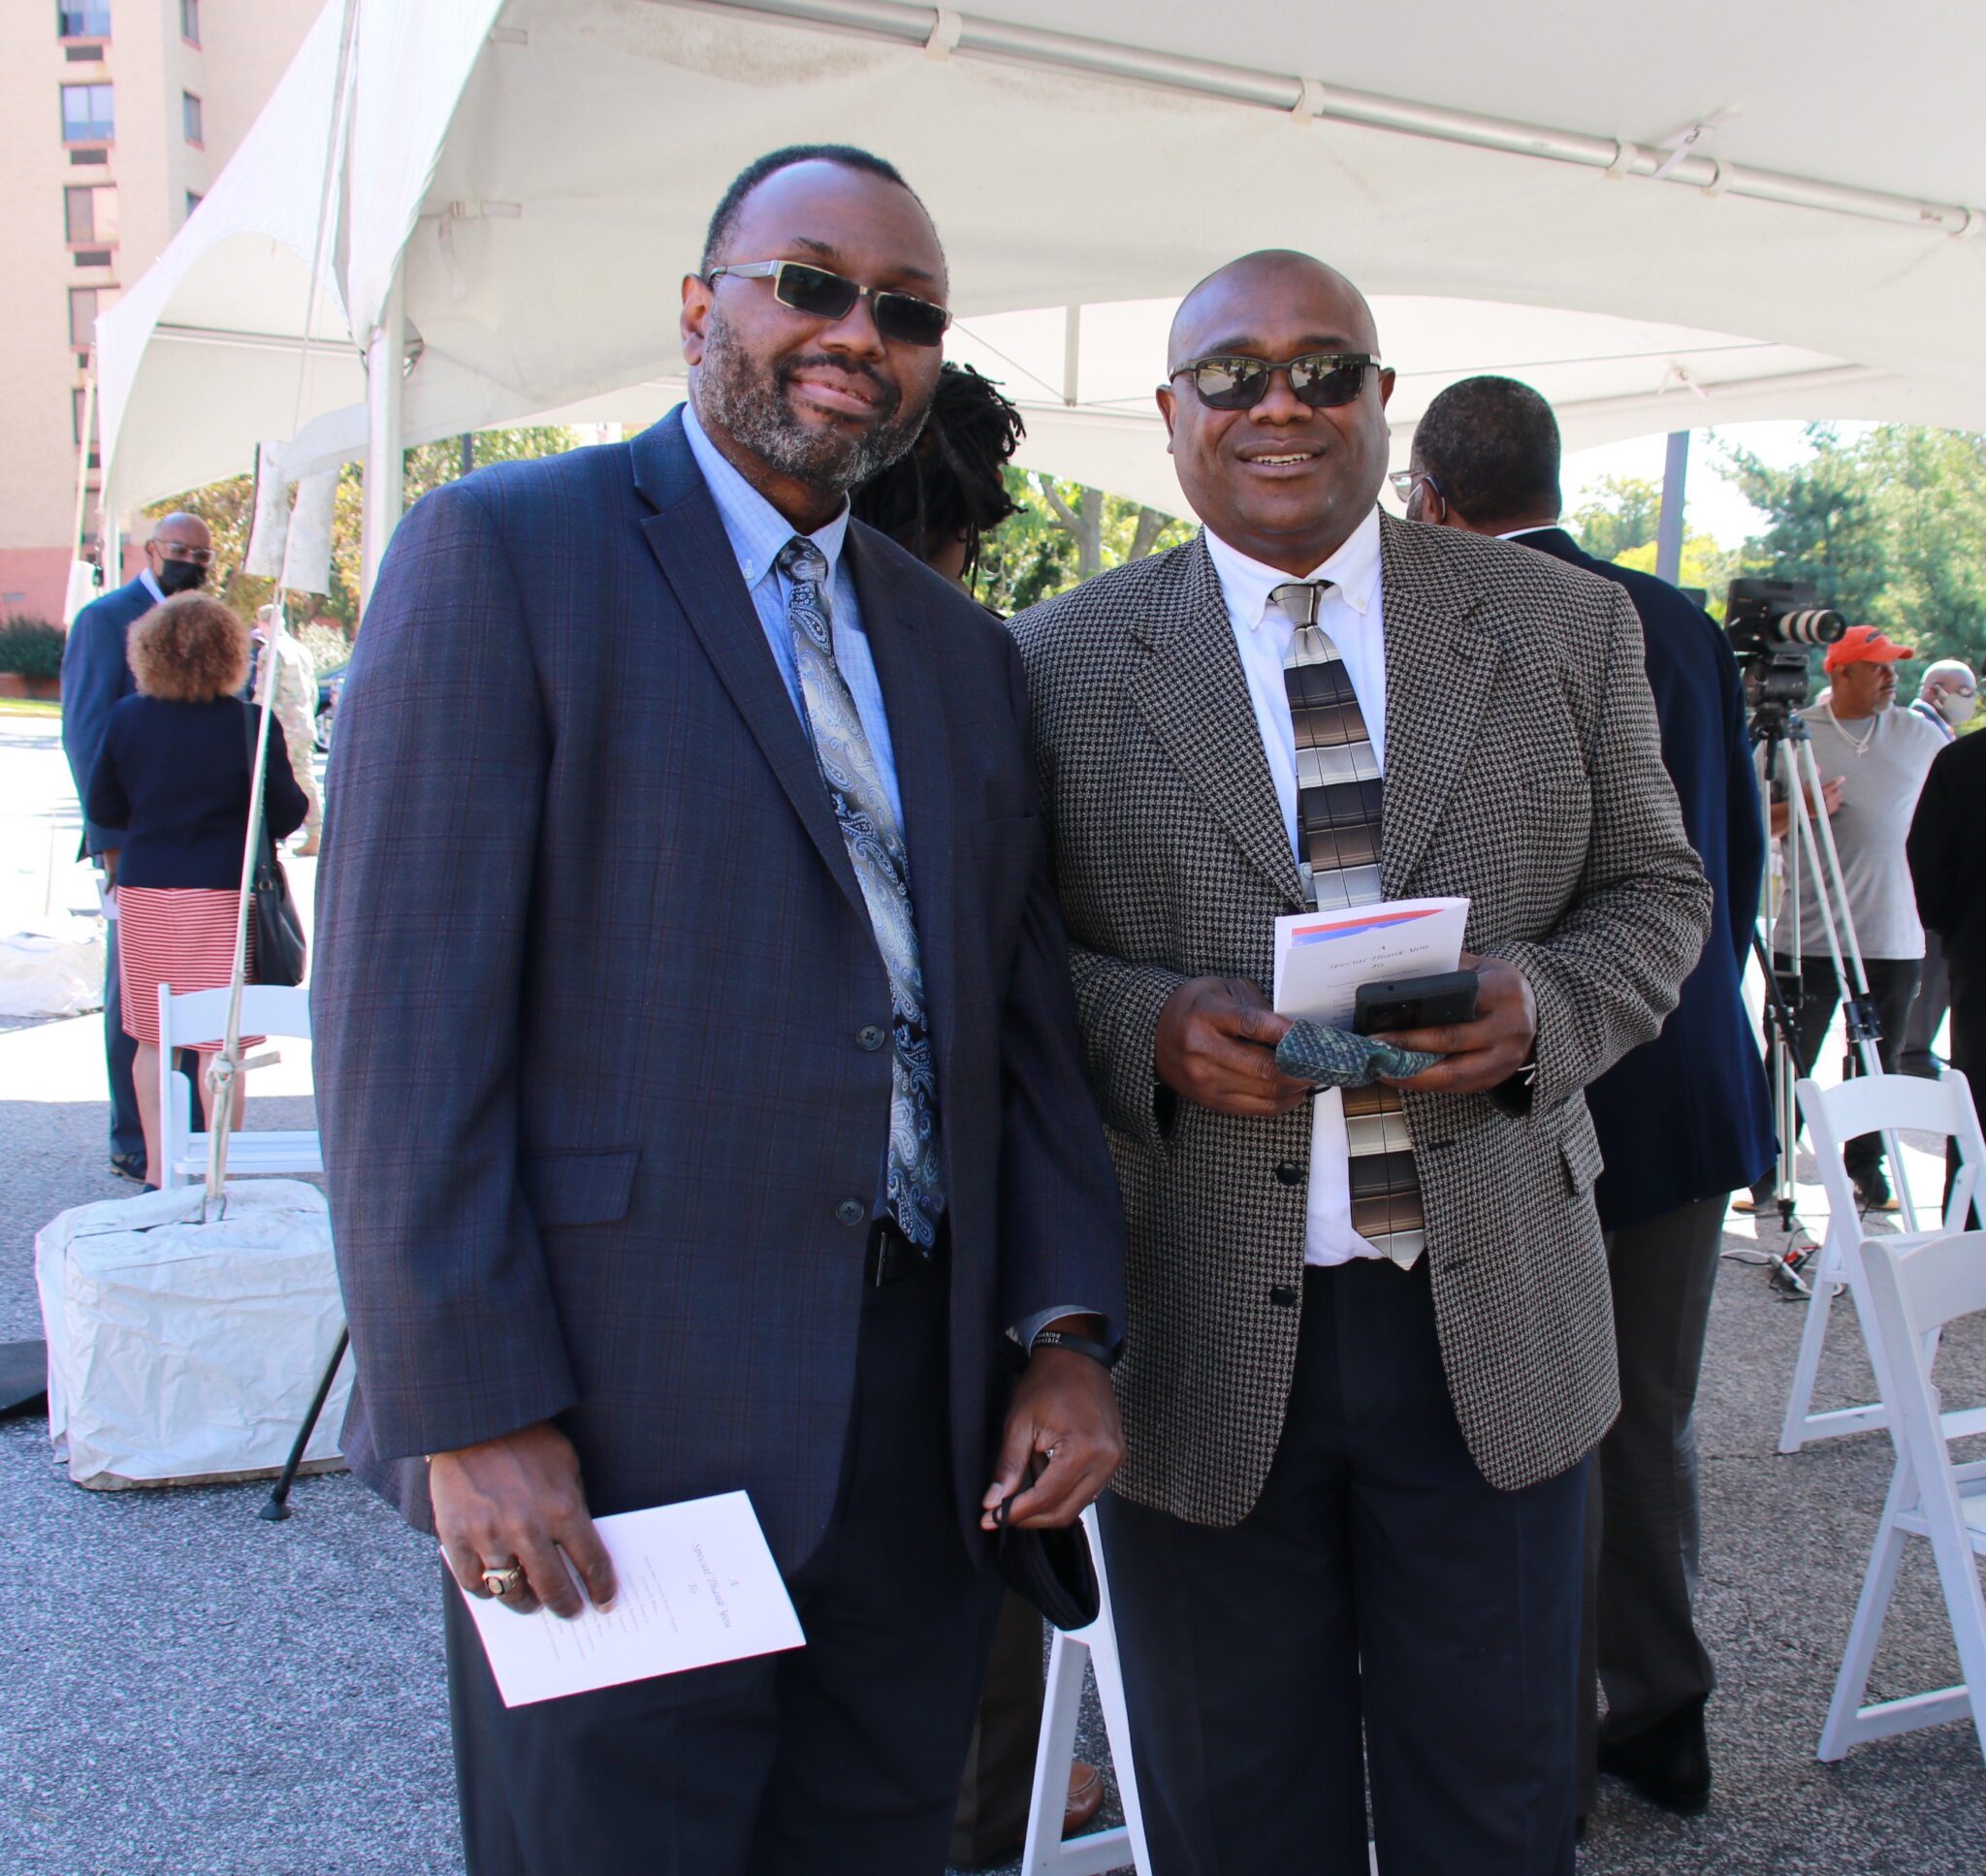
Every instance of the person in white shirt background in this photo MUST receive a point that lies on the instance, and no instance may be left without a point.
(1945, 700)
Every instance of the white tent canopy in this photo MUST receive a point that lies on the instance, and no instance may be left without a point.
(533, 178)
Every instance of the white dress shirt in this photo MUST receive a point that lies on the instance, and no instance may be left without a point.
(1353, 616)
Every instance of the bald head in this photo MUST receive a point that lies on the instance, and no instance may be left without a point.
(1213, 315)
(179, 552)
(1288, 478)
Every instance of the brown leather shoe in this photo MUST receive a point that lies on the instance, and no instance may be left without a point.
(1085, 1798)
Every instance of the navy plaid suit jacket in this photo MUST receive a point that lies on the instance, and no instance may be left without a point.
(592, 965)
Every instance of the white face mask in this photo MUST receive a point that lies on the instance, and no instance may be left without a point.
(1957, 709)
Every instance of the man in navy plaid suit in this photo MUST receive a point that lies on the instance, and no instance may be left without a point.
(698, 1071)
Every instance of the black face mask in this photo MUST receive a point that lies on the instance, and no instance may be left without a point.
(180, 576)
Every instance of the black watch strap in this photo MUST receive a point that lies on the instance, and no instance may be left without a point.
(1080, 1343)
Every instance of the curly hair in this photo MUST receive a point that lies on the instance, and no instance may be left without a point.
(189, 650)
(948, 486)
(1491, 445)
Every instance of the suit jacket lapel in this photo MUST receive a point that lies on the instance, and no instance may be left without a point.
(1193, 695)
(690, 542)
(1439, 667)
(900, 644)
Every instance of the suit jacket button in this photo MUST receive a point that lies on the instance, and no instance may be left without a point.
(1287, 1174)
(1283, 1296)
(872, 1036)
(850, 1211)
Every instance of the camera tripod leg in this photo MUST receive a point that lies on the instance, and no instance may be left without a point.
(278, 1505)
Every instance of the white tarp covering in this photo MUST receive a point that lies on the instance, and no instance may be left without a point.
(549, 164)
(52, 967)
(182, 1352)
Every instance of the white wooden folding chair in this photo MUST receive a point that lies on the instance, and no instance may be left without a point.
(1870, 1104)
(201, 1016)
(1121, 1847)
(1907, 1290)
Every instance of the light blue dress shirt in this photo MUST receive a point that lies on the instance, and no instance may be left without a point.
(758, 531)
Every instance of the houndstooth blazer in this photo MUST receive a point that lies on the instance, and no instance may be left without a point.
(1523, 769)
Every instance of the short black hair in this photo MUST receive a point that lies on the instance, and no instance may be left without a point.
(1491, 445)
(731, 204)
(949, 485)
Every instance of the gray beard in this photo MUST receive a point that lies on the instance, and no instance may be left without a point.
(733, 396)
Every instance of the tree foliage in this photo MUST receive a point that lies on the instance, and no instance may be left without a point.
(1064, 534)
(1621, 516)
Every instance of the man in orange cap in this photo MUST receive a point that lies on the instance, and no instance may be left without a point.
(1872, 760)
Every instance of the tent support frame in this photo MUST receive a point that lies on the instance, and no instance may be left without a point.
(972, 36)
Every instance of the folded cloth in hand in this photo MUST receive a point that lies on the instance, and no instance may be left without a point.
(1338, 1058)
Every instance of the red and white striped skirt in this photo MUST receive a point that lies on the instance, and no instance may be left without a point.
(178, 935)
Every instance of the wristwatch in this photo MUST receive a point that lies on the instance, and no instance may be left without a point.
(1079, 1344)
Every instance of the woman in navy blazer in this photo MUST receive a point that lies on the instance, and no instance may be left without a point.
(173, 776)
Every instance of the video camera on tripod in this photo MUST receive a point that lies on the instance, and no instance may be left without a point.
(1772, 625)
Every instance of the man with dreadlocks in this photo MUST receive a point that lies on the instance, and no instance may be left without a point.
(939, 500)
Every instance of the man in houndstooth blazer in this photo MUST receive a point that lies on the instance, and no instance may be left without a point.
(1354, 1485)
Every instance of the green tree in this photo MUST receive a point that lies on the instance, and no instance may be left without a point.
(1063, 533)
(1622, 515)
(1824, 520)
(228, 509)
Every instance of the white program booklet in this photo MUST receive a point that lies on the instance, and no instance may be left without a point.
(696, 1585)
(1322, 958)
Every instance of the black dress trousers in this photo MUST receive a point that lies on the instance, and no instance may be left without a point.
(1381, 1588)
(838, 1759)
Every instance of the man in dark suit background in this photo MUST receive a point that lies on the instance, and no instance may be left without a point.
(700, 1088)
(1684, 1121)
(95, 678)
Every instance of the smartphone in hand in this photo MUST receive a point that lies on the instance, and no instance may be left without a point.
(1414, 1002)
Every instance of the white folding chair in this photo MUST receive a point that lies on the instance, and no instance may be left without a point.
(1870, 1104)
(201, 1016)
(1907, 1290)
(1121, 1847)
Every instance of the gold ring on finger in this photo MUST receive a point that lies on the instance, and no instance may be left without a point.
(501, 1578)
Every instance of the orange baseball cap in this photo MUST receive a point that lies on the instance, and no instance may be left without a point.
(1863, 645)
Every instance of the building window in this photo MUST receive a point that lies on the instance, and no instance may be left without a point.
(92, 214)
(193, 200)
(89, 113)
(77, 400)
(89, 20)
(84, 305)
(190, 109)
(189, 22)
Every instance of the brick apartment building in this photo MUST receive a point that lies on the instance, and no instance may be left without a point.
(115, 115)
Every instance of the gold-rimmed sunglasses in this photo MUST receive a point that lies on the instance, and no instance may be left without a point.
(822, 294)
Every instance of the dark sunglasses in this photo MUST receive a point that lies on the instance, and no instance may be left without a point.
(1323, 380)
(822, 295)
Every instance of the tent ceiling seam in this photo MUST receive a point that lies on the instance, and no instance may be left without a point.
(1312, 100)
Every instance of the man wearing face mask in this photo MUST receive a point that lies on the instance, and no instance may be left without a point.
(1945, 700)
(1371, 1341)
(1873, 760)
(702, 1101)
(95, 677)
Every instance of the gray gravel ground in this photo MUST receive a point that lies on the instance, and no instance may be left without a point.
(189, 1690)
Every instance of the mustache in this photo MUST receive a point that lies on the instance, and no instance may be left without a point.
(888, 396)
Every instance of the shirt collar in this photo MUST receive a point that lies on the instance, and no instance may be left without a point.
(754, 527)
(151, 586)
(1352, 570)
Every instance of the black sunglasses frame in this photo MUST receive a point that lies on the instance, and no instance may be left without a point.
(1340, 368)
(886, 305)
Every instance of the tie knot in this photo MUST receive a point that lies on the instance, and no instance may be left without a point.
(801, 562)
(1299, 599)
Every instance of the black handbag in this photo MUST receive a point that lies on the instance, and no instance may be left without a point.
(1052, 1570)
(280, 950)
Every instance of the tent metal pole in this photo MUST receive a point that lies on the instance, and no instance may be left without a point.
(1669, 528)
(968, 35)
(385, 469)
(110, 548)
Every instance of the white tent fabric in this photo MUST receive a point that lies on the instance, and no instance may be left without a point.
(547, 165)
